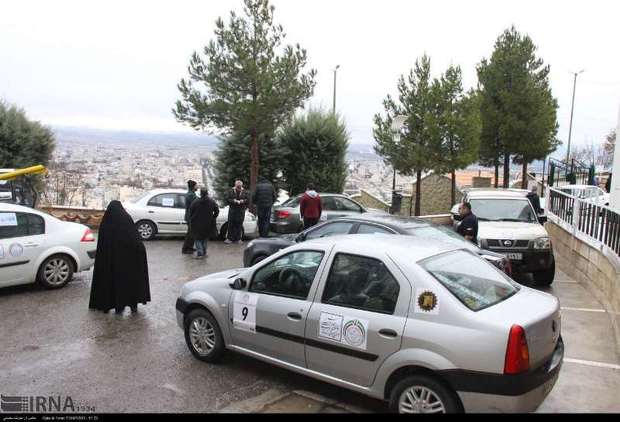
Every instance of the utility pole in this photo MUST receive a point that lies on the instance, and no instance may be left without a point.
(572, 111)
(335, 71)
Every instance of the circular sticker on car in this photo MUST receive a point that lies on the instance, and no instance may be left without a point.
(427, 302)
(16, 250)
(354, 333)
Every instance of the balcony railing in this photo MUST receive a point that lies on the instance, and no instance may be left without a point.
(586, 216)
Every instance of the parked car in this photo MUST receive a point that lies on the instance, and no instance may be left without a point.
(286, 218)
(508, 224)
(259, 249)
(36, 247)
(162, 212)
(588, 193)
(428, 327)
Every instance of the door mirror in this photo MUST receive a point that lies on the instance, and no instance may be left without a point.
(239, 284)
(300, 238)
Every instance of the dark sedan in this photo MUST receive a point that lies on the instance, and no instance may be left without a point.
(259, 249)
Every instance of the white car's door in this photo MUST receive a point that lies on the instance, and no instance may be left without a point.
(167, 211)
(22, 240)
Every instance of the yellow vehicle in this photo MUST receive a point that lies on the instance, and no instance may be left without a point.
(16, 186)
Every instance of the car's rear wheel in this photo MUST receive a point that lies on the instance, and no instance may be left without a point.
(55, 272)
(203, 336)
(545, 278)
(423, 394)
(146, 230)
(224, 232)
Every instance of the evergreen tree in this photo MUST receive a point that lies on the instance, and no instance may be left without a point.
(314, 148)
(413, 153)
(23, 143)
(247, 82)
(518, 110)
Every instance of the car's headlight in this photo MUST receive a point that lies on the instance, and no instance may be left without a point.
(251, 244)
(542, 243)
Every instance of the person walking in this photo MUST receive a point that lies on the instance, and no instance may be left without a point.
(202, 215)
(468, 227)
(310, 207)
(263, 199)
(121, 275)
(237, 200)
(190, 197)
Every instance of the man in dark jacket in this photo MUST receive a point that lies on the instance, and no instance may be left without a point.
(237, 200)
(190, 197)
(203, 214)
(310, 207)
(468, 227)
(263, 198)
(534, 199)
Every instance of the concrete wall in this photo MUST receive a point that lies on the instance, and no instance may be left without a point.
(370, 201)
(436, 197)
(598, 271)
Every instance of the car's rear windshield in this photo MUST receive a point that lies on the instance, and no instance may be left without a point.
(471, 279)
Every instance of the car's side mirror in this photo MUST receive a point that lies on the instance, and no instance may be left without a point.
(239, 284)
(300, 238)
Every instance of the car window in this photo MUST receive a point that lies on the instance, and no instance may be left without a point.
(503, 210)
(290, 276)
(167, 200)
(472, 280)
(180, 202)
(328, 204)
(372, 229)
(361, 283)
(20, 225)
(330, 229)
(343, 204)
(292, 203)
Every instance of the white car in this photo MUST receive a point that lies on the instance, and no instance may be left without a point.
(36, 247)
(588, 193)
(162, 212)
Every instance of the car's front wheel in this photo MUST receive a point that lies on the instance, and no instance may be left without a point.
(55, 272)
(423, 394)
(203, 336)
(545, 278)
(146, 230)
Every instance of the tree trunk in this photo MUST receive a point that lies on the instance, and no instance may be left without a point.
(254, 161)
(524, 177)
(496, 174)
(453, 188)
(506, 171)
(418, 186)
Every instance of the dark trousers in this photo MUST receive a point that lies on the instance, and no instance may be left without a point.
(310, 222)
(234, 228)
(264, 217)
(188, 244)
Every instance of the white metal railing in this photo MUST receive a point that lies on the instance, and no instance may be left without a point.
(598, 222)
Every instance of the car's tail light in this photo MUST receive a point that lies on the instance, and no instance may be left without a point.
(88, 236)
(517, 353)
(282, 214)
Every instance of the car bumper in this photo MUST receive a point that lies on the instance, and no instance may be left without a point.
(181, 307)
(533, 261)
(514, 393)
(284, 227)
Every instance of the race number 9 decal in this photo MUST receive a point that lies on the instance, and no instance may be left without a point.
(244, 311)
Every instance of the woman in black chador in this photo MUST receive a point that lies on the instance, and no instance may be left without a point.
(121, 276)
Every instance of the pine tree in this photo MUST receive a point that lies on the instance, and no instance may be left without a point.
(247, 82)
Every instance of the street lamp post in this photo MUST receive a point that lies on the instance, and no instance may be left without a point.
(397, 126)
(572, 111)
(335, 71)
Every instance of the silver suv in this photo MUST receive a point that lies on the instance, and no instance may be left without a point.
(508, 224)
(424, 325)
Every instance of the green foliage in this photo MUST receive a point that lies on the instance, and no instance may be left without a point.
(314, 148)
(518, 110)
(247, 82)
(233, 161)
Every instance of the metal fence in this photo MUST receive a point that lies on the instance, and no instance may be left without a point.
(571, 173)
(595, 220)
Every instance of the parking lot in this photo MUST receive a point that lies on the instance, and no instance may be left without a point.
(53, 345)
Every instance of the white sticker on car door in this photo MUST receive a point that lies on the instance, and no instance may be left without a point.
(244, 311)
(8, 219)
(344, 329)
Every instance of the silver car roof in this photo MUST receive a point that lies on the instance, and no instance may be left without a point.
(497, 193)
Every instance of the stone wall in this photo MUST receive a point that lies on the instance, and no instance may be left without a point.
(88, 217)
(435, 196)
(598, 270)
(370, 201)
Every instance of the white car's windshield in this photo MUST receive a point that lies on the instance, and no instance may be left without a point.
(472, 280)
(516, 210)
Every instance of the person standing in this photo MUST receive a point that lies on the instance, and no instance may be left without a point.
(263, 198)
(237, 200)
(608, 183)
(120, 276)
(190, 197)
(534, 198)
(310, 207)
(202, 216)
(468, 227)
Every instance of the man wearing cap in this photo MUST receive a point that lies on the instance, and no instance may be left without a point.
(190, 197)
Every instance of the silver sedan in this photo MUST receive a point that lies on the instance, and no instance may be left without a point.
(426, 326)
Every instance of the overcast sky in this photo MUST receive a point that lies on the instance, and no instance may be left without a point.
(115, 64)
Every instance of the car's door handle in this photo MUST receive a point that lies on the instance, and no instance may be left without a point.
(151, 212)
(388, 333)
(294, 316)
(31, 245)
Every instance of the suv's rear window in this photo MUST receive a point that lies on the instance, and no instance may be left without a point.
(471, 279)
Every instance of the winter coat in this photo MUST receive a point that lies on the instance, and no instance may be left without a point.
(310, 205)
(236, 212)
(190, 197)
(264, 195)
(203, 214)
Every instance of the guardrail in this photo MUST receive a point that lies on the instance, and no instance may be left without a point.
(598, 222)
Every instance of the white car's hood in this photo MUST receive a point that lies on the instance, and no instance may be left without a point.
(509, 230)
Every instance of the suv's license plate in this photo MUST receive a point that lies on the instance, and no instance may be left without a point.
(515, 256)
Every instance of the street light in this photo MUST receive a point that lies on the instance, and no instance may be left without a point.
(572, 111)
(335, 70)
(398, 123)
